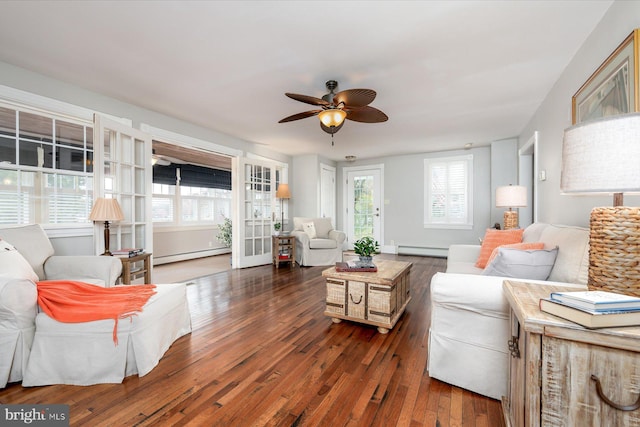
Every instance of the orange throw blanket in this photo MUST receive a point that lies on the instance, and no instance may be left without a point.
(75, 302)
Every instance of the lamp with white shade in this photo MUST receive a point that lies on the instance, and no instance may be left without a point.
(511, 196)
(603, 157)
(106, 210)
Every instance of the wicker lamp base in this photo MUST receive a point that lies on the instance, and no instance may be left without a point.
(510, 219)
(614, 250)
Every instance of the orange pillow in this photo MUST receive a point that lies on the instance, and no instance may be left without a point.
(521, 246)
(494, 238)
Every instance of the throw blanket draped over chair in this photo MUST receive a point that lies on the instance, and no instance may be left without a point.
(75, 302)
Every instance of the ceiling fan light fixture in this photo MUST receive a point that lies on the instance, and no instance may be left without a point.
(332, 117)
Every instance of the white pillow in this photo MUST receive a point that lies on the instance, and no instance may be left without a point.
(310, 229)
(532, 264)
(13, 264)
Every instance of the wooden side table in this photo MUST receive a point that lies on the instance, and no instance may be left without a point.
(554, 365)
(283, 249)
(129, 274)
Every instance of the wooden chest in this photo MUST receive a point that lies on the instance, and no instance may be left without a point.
(554, 364)
(375, 298)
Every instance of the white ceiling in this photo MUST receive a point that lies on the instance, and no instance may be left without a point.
(447, 73)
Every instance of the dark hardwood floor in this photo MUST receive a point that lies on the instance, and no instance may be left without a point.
(263, 353)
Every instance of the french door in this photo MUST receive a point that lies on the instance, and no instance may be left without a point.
(254, 190)
(364, 207)
(122, 156)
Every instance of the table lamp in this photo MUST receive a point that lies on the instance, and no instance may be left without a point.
(106, 210)
(511, 196)
(282, 193)
(603, 157)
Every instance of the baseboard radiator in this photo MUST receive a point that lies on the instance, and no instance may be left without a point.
(188, 256)
(423, 251)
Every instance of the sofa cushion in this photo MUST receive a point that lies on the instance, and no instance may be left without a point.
(310, 229)
(322, 244)
(572, 263)
(13, 264)
(494, 238)
(18, 302)
(32, 242)
(533, 264)
(524, 246)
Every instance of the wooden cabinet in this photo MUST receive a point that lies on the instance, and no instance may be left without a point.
(375, 298)
(555, 363)
(283, 249)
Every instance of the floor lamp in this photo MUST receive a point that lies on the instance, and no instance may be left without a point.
(106, 210)
(511, 196)
(282, 193)
(603, 157)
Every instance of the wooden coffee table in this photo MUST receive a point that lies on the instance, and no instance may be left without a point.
(374, 298)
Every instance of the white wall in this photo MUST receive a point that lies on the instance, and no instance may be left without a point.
(404, 200)
(554, 115)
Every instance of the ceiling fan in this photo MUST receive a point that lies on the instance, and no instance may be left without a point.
(352, 104)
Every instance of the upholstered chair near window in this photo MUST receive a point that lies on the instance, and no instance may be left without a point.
(317, 241)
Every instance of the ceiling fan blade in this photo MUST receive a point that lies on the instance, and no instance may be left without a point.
(331, 130)
(355, 97)
(299, 116)
(307, 99)
(366, 115)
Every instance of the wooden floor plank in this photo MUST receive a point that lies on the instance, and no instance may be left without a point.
(262, 352)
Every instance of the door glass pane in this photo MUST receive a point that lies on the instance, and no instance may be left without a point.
(363, 206)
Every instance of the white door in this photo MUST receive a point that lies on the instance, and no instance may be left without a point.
(254, 190)
(364, 204)
(328, 193)
(122, 156)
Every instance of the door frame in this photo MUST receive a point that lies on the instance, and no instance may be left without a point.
(345, 196)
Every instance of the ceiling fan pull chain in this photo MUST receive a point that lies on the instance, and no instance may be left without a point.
(332, 140)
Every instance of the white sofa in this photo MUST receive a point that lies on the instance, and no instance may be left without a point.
(324, 249)
(470, 326)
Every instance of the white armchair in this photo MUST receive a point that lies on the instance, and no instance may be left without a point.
(18, 295)
(319, 244)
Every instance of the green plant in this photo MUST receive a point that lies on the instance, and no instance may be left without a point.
(224, 235)
(277, 226)
(365, 246)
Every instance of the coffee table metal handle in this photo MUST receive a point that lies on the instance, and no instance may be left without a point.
(356, 303)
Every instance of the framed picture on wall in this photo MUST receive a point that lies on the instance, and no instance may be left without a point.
(613, 88)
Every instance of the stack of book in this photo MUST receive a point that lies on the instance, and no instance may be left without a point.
(127, 252)
(355, 266)
(594, 309)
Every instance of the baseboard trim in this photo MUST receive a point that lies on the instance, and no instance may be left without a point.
(423, 251)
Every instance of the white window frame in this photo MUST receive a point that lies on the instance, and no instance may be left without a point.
(447, 222)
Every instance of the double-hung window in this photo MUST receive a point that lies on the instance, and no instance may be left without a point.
(46, 168)
(448, 201)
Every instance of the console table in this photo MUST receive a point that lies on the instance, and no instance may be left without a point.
(374, 298)
(555, 363)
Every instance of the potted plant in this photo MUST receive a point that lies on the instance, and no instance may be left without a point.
(277, 226)
(224, 235)
(364, 248)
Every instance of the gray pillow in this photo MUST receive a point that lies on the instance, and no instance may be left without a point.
(532, 264)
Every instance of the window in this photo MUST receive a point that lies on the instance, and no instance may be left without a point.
(187, 194)
(46, 168)
(448, 192)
